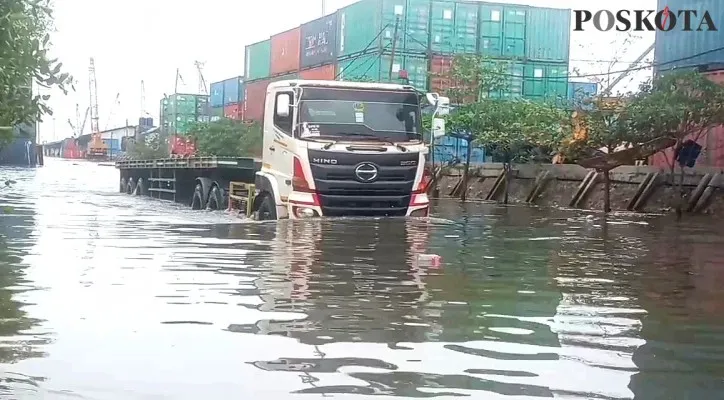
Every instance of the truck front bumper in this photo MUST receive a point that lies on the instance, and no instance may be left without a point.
(307, 205)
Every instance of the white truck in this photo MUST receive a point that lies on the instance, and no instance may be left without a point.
(330, 148)
(336, 148)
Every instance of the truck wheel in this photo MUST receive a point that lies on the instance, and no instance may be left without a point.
(197, 201)
(216, 199)
(140, 189)
(130, 187)
(267, 209)
(123, 185)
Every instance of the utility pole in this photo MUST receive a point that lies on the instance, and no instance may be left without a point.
(324, 8)
(394, 46)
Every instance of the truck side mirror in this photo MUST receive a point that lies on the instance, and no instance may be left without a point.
(438, 127)
(283, 102)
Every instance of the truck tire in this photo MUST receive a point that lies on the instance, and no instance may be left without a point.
(197, 200)
(130, 187)
(216, 199)
(267, 209)
(123, 185)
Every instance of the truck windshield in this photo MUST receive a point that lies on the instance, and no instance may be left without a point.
(356, 114)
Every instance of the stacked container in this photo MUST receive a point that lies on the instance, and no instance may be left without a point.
(355, 43)
(179, 112)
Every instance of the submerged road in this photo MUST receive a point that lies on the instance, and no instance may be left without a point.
(107, 296)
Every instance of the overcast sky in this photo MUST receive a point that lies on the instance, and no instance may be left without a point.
(134, 40)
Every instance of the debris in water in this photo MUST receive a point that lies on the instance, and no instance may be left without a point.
(429, 260)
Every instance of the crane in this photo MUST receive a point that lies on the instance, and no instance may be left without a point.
(116, 102)
(202, 82)
(96, 147)
(79, 127)
(143, 99)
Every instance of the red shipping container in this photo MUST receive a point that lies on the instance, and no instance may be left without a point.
(254, 97)
(323, 73)
(711, 142)
(440, 67)
(285, 48)
(233, 111)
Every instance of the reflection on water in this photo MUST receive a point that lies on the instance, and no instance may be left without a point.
(106, 296)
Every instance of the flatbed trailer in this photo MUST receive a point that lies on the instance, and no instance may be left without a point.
(215, 183)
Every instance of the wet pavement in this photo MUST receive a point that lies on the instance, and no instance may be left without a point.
(108, 296)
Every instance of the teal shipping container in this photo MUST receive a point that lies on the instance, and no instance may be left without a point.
(257, 60)
(546, 80)
(548, 32)
(503, 30)
(377, 69)
(361, 22)
(454, 27)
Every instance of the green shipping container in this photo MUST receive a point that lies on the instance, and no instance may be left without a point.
(361, 22)
(257, 59)
(549, 34)
(454, 27)
(503, 30)
(377, 69)
(545, 80)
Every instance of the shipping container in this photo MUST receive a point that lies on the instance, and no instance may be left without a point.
(233, 90)
(376, 68)
(113, 144)
(254, 97)
(323, 73)
(22, 151)
(548, 32)
(285, 49)
(319, 41)
(216, 112)
(257, 60)
(580, 92)
(417, 26)
(233, 111)
(678, 48)
(216, 94)
(454, 27)
(360, 23)
(503, 30)
(545, 80)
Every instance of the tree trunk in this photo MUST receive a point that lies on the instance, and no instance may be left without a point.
(680, 189)
(607, 191)
(506, 172)
(466, 171)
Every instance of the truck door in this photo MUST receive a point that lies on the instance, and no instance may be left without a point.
(278, 145)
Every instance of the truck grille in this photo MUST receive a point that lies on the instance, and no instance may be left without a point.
(344, 192)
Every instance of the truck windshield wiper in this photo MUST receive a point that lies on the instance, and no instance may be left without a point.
(370, 136)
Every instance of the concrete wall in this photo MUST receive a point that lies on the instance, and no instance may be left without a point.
(633, 188)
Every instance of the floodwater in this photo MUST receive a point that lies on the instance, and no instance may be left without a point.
(108, 296)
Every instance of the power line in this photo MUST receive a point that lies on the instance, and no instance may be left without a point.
(369, 45)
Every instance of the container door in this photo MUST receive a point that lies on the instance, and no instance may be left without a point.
(466, 28)
(442, 27)
(514, 32)
(417, 26)
(491, 30)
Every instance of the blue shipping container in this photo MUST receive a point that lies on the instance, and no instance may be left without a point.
(216, 96)
(113, 144)
(22, 151)
(319, 41)
(233, 89)
(578, 92)
(680, 49)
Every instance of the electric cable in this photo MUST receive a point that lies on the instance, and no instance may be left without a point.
(369, 45)
(603, 74)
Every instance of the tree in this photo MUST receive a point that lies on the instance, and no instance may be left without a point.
(604, 129)
(680, 106)
(148, 148)
(471, 79)
(24, 42)
(512, 129)
(227, 137)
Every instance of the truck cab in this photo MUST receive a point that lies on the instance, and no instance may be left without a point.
(334, 148)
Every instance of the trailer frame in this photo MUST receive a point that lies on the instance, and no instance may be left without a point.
(200, 182)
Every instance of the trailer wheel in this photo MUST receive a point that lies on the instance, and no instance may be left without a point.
(216, 199)
(197, 201)
(267, 209)
(123, 186)
(140, 189)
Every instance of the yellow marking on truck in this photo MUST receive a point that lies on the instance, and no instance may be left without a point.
(280, 143)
